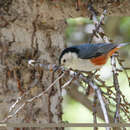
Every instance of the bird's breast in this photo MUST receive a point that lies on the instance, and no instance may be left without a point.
(83, 65)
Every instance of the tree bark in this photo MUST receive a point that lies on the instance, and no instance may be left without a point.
(32, 29)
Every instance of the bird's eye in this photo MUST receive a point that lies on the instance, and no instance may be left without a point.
(64, 60)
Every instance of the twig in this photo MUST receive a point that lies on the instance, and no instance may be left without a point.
(99, 95)
(17, 101)
(96, 22)
(95, 110)
(67, 83)
(124, 69)
(99, 30)
(30, 100)
(21, 97)
(110, 94)
(73, 75)
(11, 115)
(116, 84)
(39, 95)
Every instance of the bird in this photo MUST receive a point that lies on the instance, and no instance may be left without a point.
(88, 57)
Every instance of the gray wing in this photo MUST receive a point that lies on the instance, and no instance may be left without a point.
(87, 51)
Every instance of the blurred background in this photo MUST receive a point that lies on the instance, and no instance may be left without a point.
(79, 31)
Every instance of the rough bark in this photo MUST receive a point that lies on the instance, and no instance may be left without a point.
(33, 29)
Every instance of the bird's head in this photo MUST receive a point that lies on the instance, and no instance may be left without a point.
(67, 56)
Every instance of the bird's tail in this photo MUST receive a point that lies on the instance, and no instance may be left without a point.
(117, 48)
(123, 44)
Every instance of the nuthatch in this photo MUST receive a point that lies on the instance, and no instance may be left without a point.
(88, 57)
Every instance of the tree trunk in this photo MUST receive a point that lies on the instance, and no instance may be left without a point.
(32, 29)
